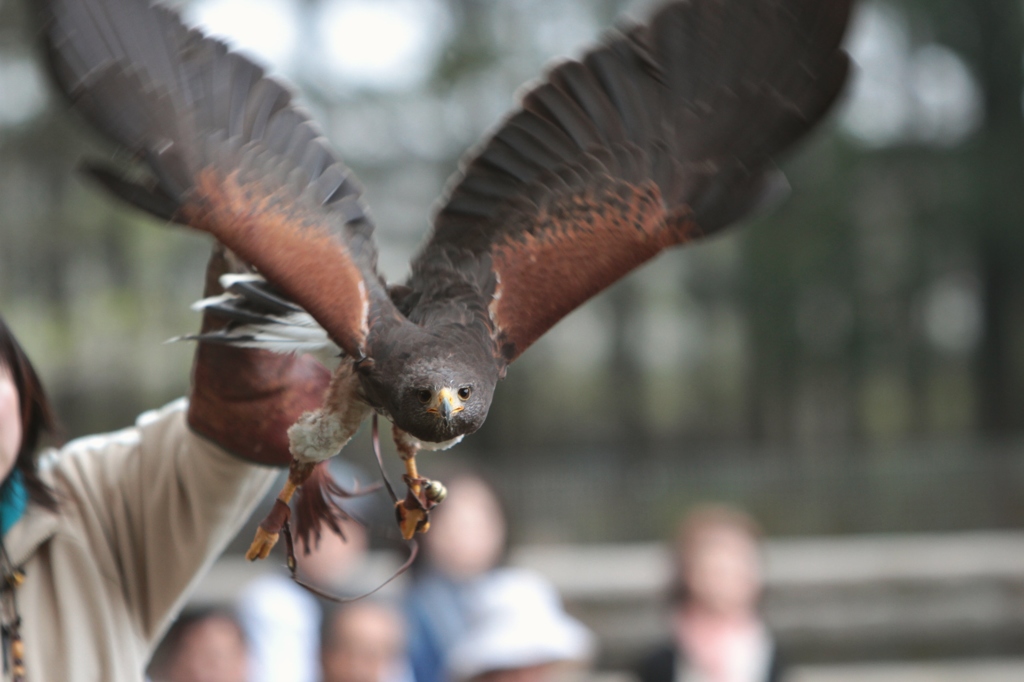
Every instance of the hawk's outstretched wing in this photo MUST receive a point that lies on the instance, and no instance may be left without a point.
(227, 152)
(663, 134)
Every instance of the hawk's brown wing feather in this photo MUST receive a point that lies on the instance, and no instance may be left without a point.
(229, 153)
(664, 133)
(596, 231)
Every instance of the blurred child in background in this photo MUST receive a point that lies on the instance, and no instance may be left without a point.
(467, 539)
(718, 633)
(469, 619)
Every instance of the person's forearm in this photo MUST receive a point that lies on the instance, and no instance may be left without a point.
(245, 400)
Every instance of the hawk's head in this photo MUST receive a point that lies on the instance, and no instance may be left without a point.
(439, 403)
(440, 390)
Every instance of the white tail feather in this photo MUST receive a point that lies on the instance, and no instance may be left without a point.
(296, 332)
(229, 279)
(205, 303)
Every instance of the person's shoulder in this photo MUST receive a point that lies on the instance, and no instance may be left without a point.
(657, 665)
(160, 430)
(167, 418)
(98, 460)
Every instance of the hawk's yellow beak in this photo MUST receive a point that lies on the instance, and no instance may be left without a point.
(445, 404)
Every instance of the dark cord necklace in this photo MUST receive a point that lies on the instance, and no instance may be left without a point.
(10, 619)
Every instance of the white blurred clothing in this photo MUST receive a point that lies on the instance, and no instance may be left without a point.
(282, 622)
(517, 621)
(742, 656)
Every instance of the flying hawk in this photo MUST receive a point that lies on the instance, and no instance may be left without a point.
(661, 134)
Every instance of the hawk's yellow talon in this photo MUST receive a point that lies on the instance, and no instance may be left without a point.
(266, 539)
(261, 545)
(411, 521)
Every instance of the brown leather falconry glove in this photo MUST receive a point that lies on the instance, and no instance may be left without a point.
(244, 400)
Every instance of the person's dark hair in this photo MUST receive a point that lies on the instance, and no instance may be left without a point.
(37, 416)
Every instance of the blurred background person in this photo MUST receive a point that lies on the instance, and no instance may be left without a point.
(364, 641)
(519, 632)
(467, 539)
(718, 633)
(283, 620)
(203, 645)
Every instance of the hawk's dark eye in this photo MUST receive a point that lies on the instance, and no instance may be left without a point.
(424, 395)
(465, 392)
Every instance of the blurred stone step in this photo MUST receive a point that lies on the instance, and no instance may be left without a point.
(943, 671)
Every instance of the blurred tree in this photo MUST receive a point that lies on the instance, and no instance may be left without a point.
(997, 208)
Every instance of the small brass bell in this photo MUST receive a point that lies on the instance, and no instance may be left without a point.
(435, 492)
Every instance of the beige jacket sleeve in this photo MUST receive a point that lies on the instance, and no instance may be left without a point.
(156, 505)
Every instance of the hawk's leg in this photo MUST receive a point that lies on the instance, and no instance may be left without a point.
(268, 532)
(424, 494)
(317, 436)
